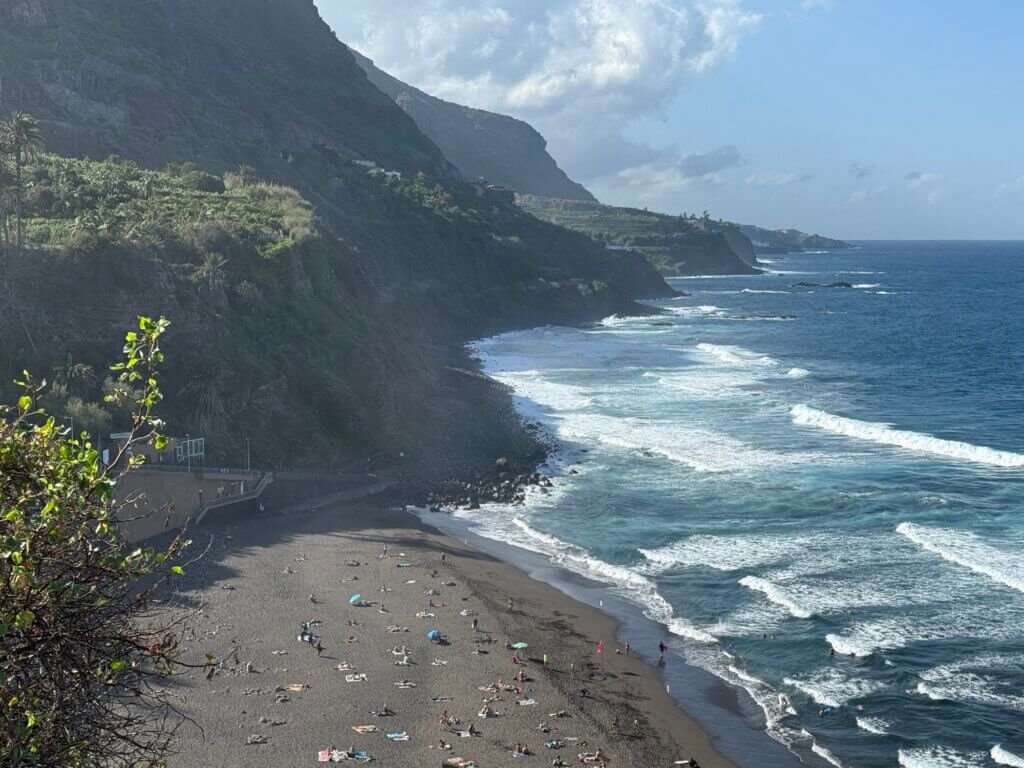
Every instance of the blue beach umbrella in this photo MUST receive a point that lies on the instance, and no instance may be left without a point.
(433, 635)
(354, 599)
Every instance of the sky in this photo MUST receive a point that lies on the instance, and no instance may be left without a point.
(857, 119)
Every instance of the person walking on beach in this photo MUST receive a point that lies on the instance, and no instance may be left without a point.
(600, 647)
(444, 557)
(319, 649)
(626, 648)
(510, 605)
(572, 670)
(545, 659)
(476, 623)
(636, 725)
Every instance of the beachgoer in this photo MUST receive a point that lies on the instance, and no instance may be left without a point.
(600, 647)
(636, 725)
(319, 649)
(476, 622)
(545, 659)
(443, 558)
(626, 647)
(572, 670)
(510, 604)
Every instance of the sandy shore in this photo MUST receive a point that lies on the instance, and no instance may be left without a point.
(258, 584)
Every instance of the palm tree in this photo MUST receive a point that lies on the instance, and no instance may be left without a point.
(24, 138)
(5, 153)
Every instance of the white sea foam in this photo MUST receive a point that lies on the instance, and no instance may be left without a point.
(867, 285)
(967, 550)
(762, 290)
(885, 434)
(702, 450)
(706, 310)
(777, 595)
(735, 356)
(704, 382)
(798, 373)
(727, 553)
(831, 688)
(821, 751)
(974, 680)
(1003, 756)
(939, 757)
(874, 725)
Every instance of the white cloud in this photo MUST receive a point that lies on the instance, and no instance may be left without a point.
(918, 179)
(1013, 188)
(580, 70)
(776, 179)
(862, 195)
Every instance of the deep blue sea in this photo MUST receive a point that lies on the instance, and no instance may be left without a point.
(818, 491)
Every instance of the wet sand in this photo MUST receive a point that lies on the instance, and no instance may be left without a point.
(257, 586)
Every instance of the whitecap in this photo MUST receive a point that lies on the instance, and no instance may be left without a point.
(939, 757)
(1003, 756)
(831, 688)
(777, 595)
(867, 285)
(735, 356)
(874, 725)
(821, 751)
(798, 373)
(967, 550)
(885, 434)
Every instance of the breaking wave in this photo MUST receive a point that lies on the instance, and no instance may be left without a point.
(884, 434)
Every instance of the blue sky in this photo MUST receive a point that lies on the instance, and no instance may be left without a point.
(857, 119)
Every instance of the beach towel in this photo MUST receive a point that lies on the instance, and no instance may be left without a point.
(400, 736)
(526, 702)
(438, 663)
(404, 565)
(295, 687)
(344, 666)
(358, 678)
(364, 728)
(405, 684)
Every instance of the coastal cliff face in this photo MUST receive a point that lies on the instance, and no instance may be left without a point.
(482, 144)
(348, 341)
(788, 240)
(674, 245)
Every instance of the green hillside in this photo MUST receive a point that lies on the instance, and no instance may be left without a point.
(675, 245)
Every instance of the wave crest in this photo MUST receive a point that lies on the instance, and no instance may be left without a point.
(884, 434)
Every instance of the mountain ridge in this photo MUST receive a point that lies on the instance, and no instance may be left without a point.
(481, 144)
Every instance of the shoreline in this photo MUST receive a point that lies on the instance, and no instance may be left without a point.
(253, 600)
(729, 717)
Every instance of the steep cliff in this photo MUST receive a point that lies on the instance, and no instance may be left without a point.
(482, 144)
(345, 341)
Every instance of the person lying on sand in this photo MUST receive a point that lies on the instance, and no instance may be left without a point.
(384, 711)
(486, 711)
(520, 751)
(403, 651)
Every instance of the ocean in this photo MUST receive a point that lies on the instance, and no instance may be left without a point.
(816, 491)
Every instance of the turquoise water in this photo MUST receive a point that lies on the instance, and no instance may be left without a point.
(818, 491)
